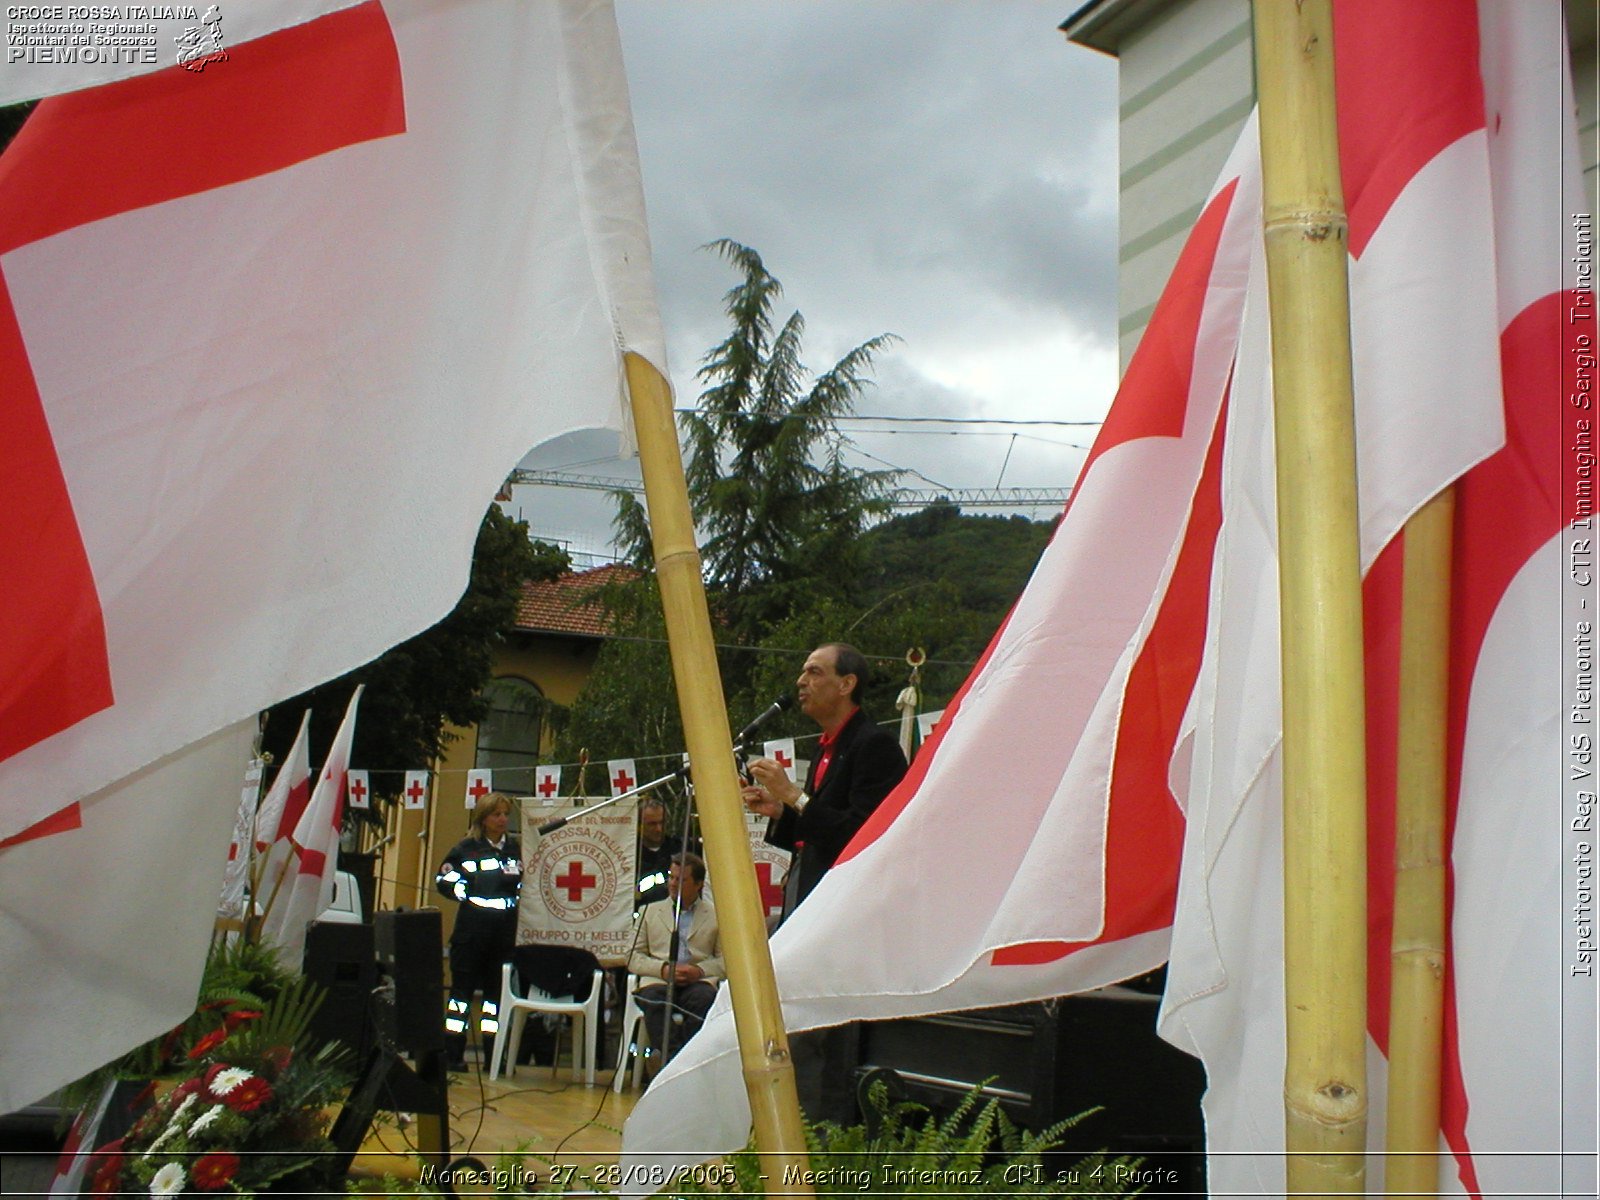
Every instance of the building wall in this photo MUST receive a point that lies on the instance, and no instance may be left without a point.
(559, 667)
(1186, 86)
(1581, 24)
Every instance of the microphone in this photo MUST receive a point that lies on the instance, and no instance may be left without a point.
(782, 704)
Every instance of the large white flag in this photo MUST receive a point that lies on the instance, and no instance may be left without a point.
(1070, 850)
(1452, 338)
(269, 329)
(308, 886)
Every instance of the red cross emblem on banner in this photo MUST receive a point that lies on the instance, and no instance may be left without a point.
(547, 786)
(479, 789)
(575, 881)
(414, 791)
(622, 781)
(782, 759)
(771, 893)
(358, 792)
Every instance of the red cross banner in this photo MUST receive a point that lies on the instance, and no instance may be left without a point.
(781, 751)
(479, 784)
(577, 882)
(547, 782)
(621, 776)
(772, 864)
(192, 280)
(358, 790)
(414, 793)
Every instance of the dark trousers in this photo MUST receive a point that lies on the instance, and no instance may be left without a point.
(825, 1072)
(690, 1003)
(475, 961)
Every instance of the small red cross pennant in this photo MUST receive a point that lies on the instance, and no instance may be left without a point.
(414, 794)
(622, 775)
(781, 752)
(479, 784)
(547, 781)
(359, 790)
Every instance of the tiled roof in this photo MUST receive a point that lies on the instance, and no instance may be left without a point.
(566, 605)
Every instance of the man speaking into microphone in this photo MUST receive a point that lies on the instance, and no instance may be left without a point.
(856, 765)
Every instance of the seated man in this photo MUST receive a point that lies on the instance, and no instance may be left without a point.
(688, 953)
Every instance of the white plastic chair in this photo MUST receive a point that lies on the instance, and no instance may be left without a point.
(513, 1016)
(631, 1039)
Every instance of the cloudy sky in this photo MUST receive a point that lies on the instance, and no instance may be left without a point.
(943, 171)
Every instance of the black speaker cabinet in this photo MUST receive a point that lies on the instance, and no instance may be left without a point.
(411, 954)
(1052, 1060)
(340, 958)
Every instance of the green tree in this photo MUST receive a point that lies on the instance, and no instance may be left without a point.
(415, 688)
(770, 492)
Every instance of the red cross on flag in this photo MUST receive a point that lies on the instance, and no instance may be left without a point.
(1142, 662)
(479, 784)
(359, 790)
(781, 751)
(622, 776)
(414, 795)
(547, 782)
(193, 284)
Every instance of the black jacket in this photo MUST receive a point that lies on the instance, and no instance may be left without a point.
(486, 882)
(867, 764)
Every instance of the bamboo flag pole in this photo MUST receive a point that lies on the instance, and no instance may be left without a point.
(763, 1045)
(1319, 580)
(1417, 952)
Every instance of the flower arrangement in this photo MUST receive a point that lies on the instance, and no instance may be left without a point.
(242, 1108)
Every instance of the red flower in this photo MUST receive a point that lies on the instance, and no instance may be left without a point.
(183, 1091)
(108, 1176)
(144, 1097)
(278, 1058)
(213, 1171)
(209, 1043)
(249, 1095)
(238, 1017)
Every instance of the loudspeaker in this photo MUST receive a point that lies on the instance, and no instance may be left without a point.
(411, 953)
(340, 958)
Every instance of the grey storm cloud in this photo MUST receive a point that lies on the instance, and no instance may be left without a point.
(943, 170)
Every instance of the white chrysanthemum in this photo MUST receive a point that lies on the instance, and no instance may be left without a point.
(205, 1119)
(226, 1081)
(168, 1181)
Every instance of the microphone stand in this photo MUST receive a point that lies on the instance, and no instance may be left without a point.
(560, 822)
(674, 942)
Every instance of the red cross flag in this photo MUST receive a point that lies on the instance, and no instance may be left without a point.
(622, 775)
(1472, 325)
(414, 795)
(546, 782)
(264, 277)
(309, 887)
(583, 876)
(781, 751)
(358, 789)
(479, 784)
